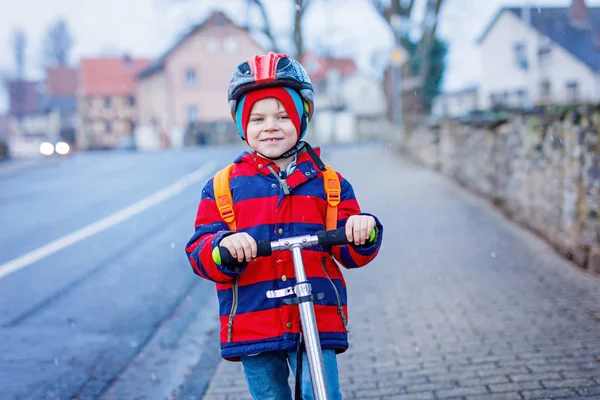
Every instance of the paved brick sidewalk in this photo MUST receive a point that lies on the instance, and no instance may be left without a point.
(459, 304)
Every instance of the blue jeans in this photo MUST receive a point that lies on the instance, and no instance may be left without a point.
(267, 375)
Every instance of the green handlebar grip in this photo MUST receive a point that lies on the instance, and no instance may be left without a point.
(372, 236)
(216, 255)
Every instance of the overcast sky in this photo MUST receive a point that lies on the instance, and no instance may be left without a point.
(145, 28)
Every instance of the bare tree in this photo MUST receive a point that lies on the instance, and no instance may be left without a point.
(57, 44)
(430, 23)
(300, 10)
(300, 7)
(267, 27)
(394, 9)
(19, 43)
(390, 10)
(393, 12)
(17, 94)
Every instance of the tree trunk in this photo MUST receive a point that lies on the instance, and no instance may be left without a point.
(298, 40)
(267, 24)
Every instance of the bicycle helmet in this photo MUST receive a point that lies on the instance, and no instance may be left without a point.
(271, 70)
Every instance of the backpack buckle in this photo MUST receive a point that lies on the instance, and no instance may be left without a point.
(333, 197)
(225, 209)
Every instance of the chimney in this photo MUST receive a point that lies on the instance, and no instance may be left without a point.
(127, 61)
(578, 13)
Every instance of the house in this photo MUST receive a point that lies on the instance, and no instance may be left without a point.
(352, 106)
(106, 100)
(61, 97)
(327, 74)
(183, 94)
(455, 104)
(540, 55)
(27, 117)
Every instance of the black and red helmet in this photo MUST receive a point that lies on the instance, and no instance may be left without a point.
(270, 70)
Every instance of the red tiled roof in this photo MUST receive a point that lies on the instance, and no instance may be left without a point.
(110, 76)
(317, 67)
(61, 81)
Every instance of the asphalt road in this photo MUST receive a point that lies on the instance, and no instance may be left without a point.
(111, 274)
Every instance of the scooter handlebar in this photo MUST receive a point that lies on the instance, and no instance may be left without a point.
(222, 256)
(334, 237)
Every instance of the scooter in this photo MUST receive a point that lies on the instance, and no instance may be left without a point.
(303, 291)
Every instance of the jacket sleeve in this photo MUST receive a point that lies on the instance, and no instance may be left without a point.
(209, 230)
(351, 255)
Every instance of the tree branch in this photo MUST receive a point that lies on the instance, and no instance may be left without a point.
(395, 7)
(267, 24)
(428, 37)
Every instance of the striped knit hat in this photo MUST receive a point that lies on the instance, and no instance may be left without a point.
(291, 100)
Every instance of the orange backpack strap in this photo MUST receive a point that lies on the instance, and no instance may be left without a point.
(333, 192)
(223, 196)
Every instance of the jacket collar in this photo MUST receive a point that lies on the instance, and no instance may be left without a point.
(261, 164)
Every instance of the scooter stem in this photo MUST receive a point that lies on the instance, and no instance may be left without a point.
(309, 328)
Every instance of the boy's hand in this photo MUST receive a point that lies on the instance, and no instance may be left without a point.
(359, 227)
(241, 246)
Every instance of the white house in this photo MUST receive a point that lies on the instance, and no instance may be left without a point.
(540, 55)
(455, 104)
(351, 106)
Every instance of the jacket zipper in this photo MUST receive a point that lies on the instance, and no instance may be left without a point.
(286, 191)
(233, 309)
(337, 294)
(282, 182)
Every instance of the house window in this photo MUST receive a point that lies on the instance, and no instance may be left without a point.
(108, 128)
(520, 52)
(212, 45)
(544, 51)
(522, 97)
(545, 47)
(230, 44)
(132, 101)
(107, 102)
(192, 113)
(190, 77)
(545, 89)
(573, 91)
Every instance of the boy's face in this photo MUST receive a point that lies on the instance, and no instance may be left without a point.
(270, 130)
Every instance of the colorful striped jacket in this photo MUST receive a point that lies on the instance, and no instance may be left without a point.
(267, 207)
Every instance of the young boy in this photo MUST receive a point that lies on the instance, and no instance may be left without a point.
(278, 191)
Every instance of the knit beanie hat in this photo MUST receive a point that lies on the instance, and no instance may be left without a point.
(291, 100)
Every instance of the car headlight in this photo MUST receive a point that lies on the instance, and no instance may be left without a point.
(46, 148)
(62, 148)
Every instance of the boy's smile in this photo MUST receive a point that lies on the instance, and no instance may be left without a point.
(270, 130)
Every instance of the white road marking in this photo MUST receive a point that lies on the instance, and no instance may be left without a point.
(107, 222)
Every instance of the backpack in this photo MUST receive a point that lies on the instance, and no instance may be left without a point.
(225, 201)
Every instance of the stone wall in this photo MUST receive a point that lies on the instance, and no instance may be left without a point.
(542, 171)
